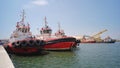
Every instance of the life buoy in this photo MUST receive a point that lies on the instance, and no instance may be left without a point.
(77, 41)
(37, 42)
(13, 44)
(42, 43)
(18, 43)
(24, 43)
(31, 42)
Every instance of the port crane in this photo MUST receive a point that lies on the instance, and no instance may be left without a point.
(97, 36)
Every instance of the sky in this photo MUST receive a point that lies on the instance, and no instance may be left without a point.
(77, 17)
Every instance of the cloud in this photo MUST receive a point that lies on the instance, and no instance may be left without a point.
(35, 3)
(40, 2)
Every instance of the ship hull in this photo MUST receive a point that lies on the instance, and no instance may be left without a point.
(23, 51)
(61, 44)
(112, 41)
(25, 48)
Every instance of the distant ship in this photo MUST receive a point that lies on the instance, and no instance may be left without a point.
(109, 40)
(22, 41)
(59, 41)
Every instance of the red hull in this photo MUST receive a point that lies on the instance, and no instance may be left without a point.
(26, 48)
(23, 50)
(61, 44)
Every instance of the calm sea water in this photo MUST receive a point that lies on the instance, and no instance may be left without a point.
(85, 56)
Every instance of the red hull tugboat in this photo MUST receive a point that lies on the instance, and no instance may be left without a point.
(59, 41)
(22, 41)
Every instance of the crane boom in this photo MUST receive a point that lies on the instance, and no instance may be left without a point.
(99, 33)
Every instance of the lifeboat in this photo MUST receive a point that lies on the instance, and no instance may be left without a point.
(59, 41)
(22, 41)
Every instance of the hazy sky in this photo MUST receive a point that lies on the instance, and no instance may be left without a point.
(77, 17)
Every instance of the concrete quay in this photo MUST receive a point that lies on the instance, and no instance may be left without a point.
(5, 61)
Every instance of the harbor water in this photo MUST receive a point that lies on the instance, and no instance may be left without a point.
(94, 55)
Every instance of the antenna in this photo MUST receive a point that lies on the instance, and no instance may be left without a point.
(45, 21)
(59, 26)
(23, 16)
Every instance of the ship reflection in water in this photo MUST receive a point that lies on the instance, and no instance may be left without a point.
(85, 56)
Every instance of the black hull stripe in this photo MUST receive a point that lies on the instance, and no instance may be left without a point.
(61, 40)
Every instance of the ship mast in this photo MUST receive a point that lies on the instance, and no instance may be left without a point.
(23, 16)
(59, 26)
(45, 22)
(22, 19)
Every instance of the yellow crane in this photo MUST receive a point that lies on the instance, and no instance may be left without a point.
(97, 36)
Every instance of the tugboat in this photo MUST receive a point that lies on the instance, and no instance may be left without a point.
(60, 33)
(59, 41)
(22, 41)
